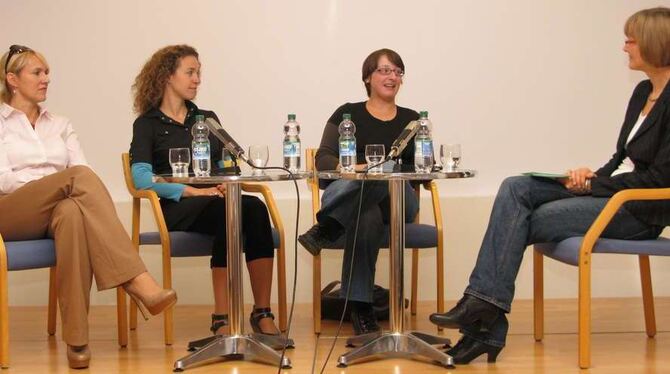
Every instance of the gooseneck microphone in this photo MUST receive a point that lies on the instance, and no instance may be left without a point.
(403, 139)
(228, 142)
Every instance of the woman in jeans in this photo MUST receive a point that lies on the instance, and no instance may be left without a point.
(531, 210)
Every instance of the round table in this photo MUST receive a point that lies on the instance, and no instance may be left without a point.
(396, 342)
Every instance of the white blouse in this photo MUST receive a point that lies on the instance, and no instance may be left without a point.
(627, 165)
(27, 154)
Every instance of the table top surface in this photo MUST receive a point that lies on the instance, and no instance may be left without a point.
(443, 174)
(267, 176)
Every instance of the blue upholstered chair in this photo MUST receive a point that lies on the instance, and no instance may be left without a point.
(36, 254)
(417, 236)
(192, 244)
(577, 251)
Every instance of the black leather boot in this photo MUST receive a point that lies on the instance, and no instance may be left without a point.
(363, 318)
(470, 349)
(468, 311)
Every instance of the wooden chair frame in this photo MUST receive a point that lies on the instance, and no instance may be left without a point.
(122, 321)
(313, 185)
(590, 238)
(165, 244)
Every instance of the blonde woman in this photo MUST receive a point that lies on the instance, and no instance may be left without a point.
(47, 185)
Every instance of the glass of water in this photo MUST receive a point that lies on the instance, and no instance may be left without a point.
(450, 154)
(374, 154)
(258, 155)
(180, 158)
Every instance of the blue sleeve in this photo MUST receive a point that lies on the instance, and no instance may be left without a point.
(143, 178)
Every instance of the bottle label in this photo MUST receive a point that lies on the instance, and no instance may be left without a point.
(427, 148)
(347, 148)
(201, 151)
(291, 149)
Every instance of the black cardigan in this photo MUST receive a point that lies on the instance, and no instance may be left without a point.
(650, 152)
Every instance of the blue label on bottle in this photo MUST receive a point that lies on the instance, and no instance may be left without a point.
(427, 148)
(201, 151)
(347, 148)
(291, 149)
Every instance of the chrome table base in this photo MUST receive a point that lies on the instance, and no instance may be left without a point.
(254, 347)
(399, 345)
(396, 343)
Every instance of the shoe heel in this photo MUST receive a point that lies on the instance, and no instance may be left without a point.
(140, 306)
(493, 354)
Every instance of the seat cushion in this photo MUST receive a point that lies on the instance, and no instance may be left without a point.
(189, 243)
(30, 254)
(417, 235)
(567, 251)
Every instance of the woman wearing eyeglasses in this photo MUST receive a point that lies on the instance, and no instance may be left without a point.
(50, 191)
(163, 93)
(378, 120)
(534, 210)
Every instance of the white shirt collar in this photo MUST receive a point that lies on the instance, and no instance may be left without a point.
(6, 110)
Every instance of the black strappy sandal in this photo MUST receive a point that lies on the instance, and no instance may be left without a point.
(257, 315)
(218, 321)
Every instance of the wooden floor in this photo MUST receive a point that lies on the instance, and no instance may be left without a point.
(619, 344)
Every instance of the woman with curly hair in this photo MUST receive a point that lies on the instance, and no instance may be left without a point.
(163, 94)
(51, 191)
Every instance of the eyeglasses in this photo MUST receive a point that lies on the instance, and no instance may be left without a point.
(387, 70)
(15, 50)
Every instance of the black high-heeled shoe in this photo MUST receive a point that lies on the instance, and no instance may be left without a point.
(470, 349)
(218, 321)
(468, 311)
(257, 315)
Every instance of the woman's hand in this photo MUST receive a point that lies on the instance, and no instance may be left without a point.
(578, 180)
(209, 191)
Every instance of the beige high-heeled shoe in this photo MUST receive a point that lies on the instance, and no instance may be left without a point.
(78, 357)
(155, 303)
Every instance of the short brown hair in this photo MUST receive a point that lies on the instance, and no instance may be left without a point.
(370, 64)
(149, 85)
(16, 64)
(651, 30)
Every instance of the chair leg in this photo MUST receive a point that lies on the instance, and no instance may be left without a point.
(584, 324)
(52, 303)
(281, 288)
(121, 317)
(415, 279)
(4, 311)
(316, 293)
(538, 295)
(647, 296)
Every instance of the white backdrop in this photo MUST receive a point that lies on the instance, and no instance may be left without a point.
(521, 84)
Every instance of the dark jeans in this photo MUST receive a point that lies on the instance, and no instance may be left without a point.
(340, 202)
(531, 210)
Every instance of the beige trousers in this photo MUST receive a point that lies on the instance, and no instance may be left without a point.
(75, 209)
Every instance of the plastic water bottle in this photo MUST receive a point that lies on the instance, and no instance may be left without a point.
(202, 163)
(292, 144)
(347, 129)
(423, 145)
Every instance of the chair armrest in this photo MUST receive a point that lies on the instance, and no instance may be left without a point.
(3, 262)
(270, 202)
(610, 209)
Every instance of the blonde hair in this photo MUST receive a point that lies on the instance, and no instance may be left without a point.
(651, 30)
(16, 64)
(149, 85)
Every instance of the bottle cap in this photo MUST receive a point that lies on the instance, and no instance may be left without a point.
(199, 118)
(423, 114)
(291, 117)
(346, 116)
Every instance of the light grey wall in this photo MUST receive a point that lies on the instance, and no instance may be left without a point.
(523, 85)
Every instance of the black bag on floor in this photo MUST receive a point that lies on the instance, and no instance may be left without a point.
(332, 304)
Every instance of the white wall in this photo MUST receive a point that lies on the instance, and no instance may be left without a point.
(523, 85)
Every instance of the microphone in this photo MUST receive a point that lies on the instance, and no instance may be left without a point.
(228, 142)
(401, 141)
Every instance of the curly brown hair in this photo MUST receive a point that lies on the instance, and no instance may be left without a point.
(149, 85)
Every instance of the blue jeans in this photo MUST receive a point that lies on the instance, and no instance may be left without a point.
(340, 202)
(534, 210)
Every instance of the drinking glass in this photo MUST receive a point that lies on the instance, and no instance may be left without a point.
(374, 154)
(258, 155)
(180, 158)
(450, 154)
